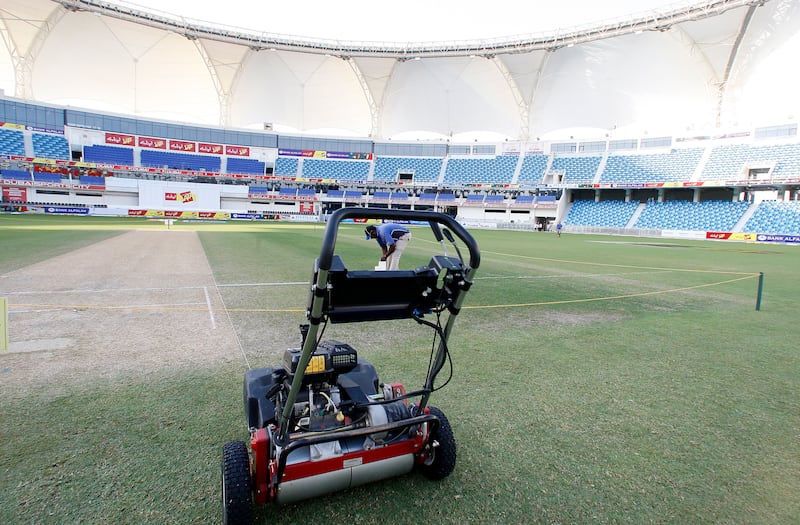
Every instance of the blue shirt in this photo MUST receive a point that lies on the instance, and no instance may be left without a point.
(388, 233)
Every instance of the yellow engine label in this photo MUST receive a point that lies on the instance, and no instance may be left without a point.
(316, 364)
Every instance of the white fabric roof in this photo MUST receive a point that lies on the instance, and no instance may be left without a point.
(735, 68)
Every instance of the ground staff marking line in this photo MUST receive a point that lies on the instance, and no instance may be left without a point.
(476, 307)
(612, 265)
(210, 309)
(609, 298)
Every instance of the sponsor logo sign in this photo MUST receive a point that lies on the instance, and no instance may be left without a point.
(240, 151)
(182, 145)
(66, 210)
(794, 239)
(185, 196)
(214, 149)
(153, 143)
(15, 194)
(120, 139)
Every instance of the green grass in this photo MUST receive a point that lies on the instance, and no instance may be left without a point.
(596, 380)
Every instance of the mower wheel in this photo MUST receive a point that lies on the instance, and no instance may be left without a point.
(237, 498)
(440, 460)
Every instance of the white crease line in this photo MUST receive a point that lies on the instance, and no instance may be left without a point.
(153, 289)
(210, 309)
(261, 284)
(14, 309)
(107, 290)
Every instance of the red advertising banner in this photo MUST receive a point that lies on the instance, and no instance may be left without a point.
(137, 213)
(306, 207)
(182, 145)
(241, 151)
(215, 149)
(15, 194)
(120, 139)
(150, 142)
(184, 196)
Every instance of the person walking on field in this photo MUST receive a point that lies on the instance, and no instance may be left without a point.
(393, 239)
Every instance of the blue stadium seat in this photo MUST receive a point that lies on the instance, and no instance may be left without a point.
(12, 142)
(180, 161)
(50, 146)
(339, 170)
(425, 169)
(102, 154)
(286, 166)
(775, 218)
(245, 166)
(497, 170)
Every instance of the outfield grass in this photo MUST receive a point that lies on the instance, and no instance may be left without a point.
(596, 380)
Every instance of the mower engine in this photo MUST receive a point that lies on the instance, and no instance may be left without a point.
(334, 385)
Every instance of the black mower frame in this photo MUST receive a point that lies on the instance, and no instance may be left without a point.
(339, 295)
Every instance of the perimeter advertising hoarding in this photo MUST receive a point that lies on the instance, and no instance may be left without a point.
(753, 237)
(15, 194)
(66, 210)
(791, 239)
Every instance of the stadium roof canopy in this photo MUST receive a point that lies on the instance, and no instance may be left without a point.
(488, 70)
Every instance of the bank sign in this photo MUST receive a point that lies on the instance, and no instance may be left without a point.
(66, 210)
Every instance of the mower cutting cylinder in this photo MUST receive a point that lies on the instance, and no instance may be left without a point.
(346, 477)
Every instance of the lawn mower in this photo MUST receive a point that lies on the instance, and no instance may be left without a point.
(323, 421)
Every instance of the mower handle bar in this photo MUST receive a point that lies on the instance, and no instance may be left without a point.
(434, 219)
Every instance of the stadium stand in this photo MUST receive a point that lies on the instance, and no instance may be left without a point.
(50, 146)
(729, 161)
(577, 169)
(495, 200)
(181, 161)
(46, 177)
(16, 175)
(675, 166)
(102, 154)
(775, 218)
(342, 170)
(353, 195)
(12, 142)
(91, 180)
(428, 197)
(286, 166)
(245, 166)
(424, 169)
(612, 213)
(306, 193)
(335, 194)
(474, 199)
(711, 215)
(287, 193)
(498, 170)
(523, 200)
(533, 169)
